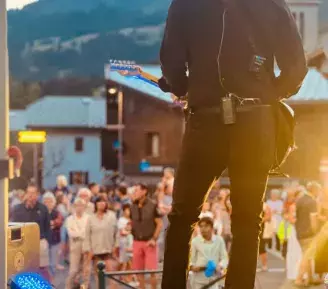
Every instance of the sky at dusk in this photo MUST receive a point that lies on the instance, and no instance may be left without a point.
(12, 4)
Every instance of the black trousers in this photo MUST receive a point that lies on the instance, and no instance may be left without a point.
(209, 147)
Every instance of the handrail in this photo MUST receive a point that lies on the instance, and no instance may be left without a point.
(102, 275)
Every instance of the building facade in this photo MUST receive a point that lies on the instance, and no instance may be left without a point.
(153, 130)
(75, 128)
(306, 14)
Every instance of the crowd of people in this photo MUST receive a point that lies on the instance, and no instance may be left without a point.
(124, 227)
(295, 224)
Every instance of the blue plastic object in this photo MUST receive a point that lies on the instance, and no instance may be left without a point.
(210, 269)
(144, 165)
(29, 281)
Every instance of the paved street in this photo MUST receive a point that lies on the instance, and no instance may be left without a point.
(273, 279)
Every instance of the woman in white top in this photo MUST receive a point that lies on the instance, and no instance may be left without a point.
(75, 225)
(100, 235)
(86, 195)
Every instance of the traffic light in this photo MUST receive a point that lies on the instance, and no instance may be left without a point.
(112, 103)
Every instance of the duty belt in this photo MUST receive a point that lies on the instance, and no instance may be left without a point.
(217, 110)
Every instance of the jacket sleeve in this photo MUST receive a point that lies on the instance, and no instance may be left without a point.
(58, 222)
(289, 53)
(47, 231)
(173, 52)
(72, 230)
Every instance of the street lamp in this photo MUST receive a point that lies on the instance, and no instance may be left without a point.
(112, 90)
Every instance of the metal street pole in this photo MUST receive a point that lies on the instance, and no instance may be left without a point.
(120, 133)
(4, 140)
(35, 164)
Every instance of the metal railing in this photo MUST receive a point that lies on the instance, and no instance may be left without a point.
(103, 275)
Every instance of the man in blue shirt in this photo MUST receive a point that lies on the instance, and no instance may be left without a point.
(32, 211)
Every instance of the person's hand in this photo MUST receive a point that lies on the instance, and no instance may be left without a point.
(88, 255)
(116, 253)
(151, 243)
(219, 269)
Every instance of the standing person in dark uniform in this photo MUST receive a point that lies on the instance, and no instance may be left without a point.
(32, 211)
(208, 39)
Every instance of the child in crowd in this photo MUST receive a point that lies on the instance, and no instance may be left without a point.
(125, 242)
(126, 247)
(205, 248)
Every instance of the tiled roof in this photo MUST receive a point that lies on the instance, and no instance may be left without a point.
(57, 111)
(315, 85)
(83, 111)
(17, 119)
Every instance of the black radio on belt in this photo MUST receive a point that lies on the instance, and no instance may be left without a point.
(228, 109)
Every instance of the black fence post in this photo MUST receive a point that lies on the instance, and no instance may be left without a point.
(101, 275)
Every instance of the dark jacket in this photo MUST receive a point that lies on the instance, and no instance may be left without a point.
(192, 41)
(54, 235)
(38, 214)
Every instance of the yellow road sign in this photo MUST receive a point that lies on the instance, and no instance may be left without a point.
(32, 136)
